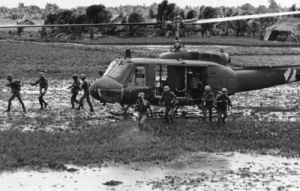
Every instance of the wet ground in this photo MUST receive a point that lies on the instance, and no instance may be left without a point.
(279, 103)
(197, 171)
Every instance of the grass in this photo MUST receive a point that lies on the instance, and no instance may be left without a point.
(118, 142)
(194, 40)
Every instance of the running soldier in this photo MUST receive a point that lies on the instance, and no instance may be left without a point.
(168, 100)
(207, 100)
(85, 86)
(75, 88)
(15, 86)
(43, 83)
(222, 104)
(142, 106)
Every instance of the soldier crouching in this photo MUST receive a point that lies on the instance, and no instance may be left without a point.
(142, 106)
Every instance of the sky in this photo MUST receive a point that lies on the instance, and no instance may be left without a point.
(115, 3)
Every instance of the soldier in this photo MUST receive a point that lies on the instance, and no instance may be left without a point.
(207, 100)
(168, 100)
(177, 46)
(222, 103)
(75, 88)
(85, 86)
(43, 83)
(15, 90)
(142, 106)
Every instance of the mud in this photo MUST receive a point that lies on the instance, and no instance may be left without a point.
(283, 101)
(195, 171)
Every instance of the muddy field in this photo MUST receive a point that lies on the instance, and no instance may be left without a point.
(263, 121)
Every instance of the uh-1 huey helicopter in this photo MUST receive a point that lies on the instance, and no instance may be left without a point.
(182, 71)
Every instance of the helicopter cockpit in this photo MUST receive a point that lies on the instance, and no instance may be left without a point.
(116, 70)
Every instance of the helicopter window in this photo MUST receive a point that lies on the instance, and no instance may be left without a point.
(206, 57)
(118, 70)
(112, 65)
(138, 77)
(216, 58)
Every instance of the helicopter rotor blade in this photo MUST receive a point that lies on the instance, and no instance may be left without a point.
(242, 17)
(80, 25)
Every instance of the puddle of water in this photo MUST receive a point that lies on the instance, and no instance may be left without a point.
(195, 171)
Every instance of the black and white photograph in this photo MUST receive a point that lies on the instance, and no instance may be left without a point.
(150, 95)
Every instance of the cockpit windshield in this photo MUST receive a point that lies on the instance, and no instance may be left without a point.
(117, 70)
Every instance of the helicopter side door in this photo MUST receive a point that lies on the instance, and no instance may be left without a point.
(187, 81)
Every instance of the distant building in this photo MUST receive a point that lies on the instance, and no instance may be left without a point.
(285, 29)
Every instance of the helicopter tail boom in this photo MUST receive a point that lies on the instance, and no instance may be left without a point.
(253, 79)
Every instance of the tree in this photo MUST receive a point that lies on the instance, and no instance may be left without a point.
(207, 13)
(273, 7)
(191, 14)
(151, 14)
(182, 14)
(261, 9)
(93, 10)
(294, 8)
(21, 6)
(161, 9)
(248, 7)
(50, 9)
(168, 13)
(135, 18)
(103, 16)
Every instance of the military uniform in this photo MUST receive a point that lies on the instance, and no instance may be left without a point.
(75, 88)
(169, 101)
(207, 104)
(43, 84)
(15, 90)
(222, 103)
(85, 86)
(142, 106)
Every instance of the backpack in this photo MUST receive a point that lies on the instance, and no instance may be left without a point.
(18, 85)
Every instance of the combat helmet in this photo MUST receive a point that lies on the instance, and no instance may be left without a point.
(141, 94)
(224, 91)
(75, 76)
(9, 76)
(207, 88)
(166, 88)
(42, 74)
(82, 76)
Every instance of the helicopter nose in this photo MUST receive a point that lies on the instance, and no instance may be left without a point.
(107, 89)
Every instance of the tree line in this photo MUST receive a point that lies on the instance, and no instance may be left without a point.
(163, 11)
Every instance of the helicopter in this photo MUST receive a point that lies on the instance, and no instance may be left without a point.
(182, 71)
